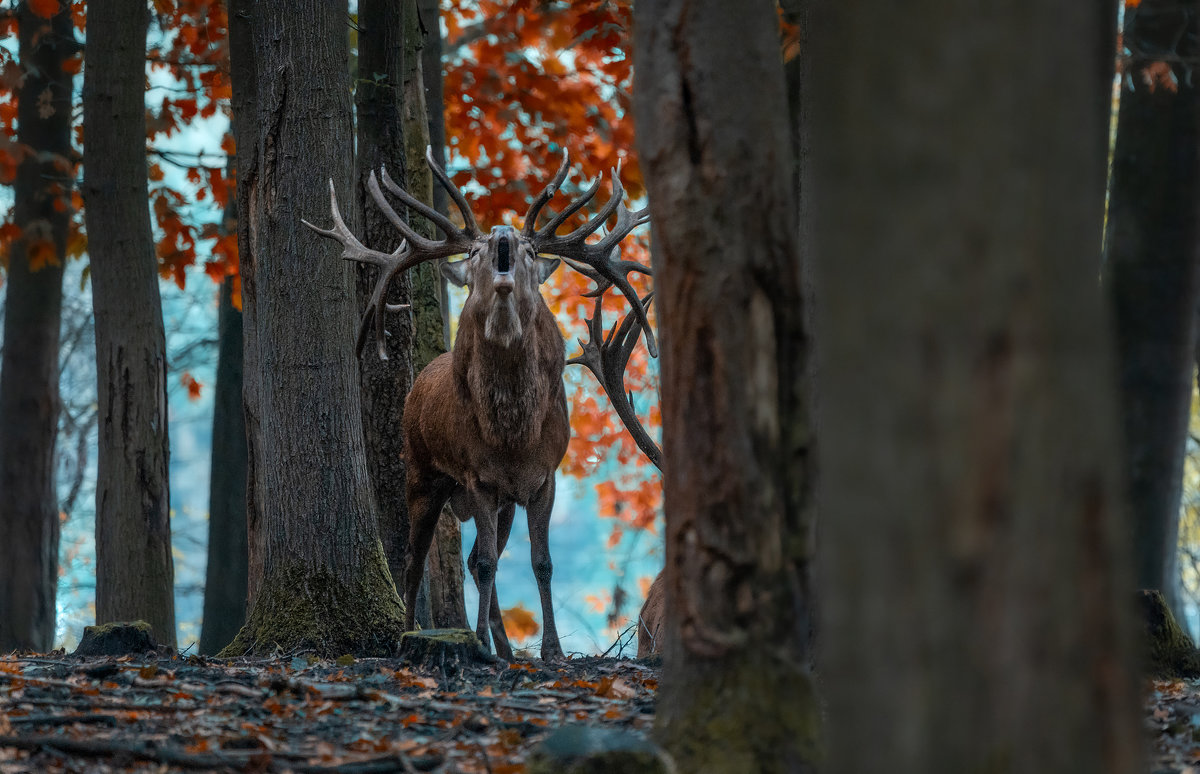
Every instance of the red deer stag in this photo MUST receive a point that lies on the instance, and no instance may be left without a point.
(486, 424)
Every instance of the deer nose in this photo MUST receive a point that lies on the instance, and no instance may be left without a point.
(503, 283)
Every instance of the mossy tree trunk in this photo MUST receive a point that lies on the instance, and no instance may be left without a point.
(325, 583)
(134, 568)
(444, 566)
(29, 399)
(975, 608)
(385, 383)
(737, 693)
(1152, 274)
(243, 81)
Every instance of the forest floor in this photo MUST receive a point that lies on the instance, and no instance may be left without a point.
(1173, 721)
(60, 713)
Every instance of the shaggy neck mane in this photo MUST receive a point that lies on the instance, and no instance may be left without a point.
(509, 389)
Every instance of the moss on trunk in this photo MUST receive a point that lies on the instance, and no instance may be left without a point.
(300, 609)
(1167, 650)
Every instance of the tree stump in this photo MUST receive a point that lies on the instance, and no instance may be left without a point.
(443, 648)
(1167, 649)
(120, 638)
(578, 749)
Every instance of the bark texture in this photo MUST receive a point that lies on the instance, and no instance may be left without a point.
(134, 569)
(385, 383)
(225, 581)
(975, 608)
(737, 693)
(29, 398)
(1150, 274)
(444, 574)
(325, 584)
(243, 80)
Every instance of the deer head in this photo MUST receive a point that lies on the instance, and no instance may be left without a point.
(599, 261)
(502, 273)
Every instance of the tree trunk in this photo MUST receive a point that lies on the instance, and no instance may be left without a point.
(444, 566)
(225, 581)
(29, 401)
(134, 569)
(975, 609)
(1150, 273)
(243, 81)
(737, 693)
(385, 383)
(325, 584)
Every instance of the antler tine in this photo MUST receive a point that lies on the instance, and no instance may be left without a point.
(549, 229)
(471, 228)
(598, 257)
(438, 219)
(607, 356)
(352, 249)
(547, 193)
(414, 249)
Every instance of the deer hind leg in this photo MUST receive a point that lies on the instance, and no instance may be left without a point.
(425, 500)
(539, 510)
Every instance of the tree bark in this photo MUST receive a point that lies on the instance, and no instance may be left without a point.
(385, 383)
(1150, 274)
(243, 81)
(29, 398)
(976, 606)
(225, 580)
(134, 569)
(325, 584)
(737, 693)
(444, 573)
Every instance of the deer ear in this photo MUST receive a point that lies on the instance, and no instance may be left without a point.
(546, 267)
(456, 272)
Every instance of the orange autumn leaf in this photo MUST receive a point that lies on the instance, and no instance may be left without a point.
(193, 386)
(44, 8)
(519, 623)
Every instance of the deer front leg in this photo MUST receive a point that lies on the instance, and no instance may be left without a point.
(539, 509)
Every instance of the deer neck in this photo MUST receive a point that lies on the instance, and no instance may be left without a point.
(507, 388)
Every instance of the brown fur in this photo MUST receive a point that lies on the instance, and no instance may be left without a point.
(650, 620)
(486, 426)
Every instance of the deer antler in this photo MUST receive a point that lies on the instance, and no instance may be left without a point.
(595, 261)
(413, 249)
(606, 356)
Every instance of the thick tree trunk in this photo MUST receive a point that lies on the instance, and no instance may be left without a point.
(225, 581)
(325, 584)
(737, 693)
(385, 383)
(243, 80)
(444, 572)
(134, 569)
(1150, 273)
(29, 401)
(975, 609)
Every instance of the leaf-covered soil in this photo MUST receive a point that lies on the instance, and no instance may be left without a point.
(176, 713)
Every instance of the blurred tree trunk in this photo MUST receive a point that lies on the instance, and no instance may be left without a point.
(225, 581)
(134, 569)
(737, 693)
(29, 400)
(325, 584)
(243, 80)
(976, 603)
(1150, 273)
